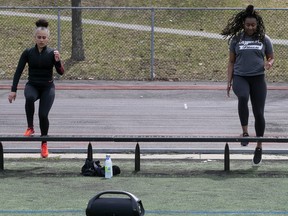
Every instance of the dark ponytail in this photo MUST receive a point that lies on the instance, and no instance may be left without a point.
(250, 11)
(42, 23)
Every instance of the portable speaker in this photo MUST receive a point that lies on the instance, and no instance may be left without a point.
(125, 204)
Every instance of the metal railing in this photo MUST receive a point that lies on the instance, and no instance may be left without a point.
(138, 139)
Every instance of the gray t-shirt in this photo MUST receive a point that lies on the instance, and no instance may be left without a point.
(250, 55)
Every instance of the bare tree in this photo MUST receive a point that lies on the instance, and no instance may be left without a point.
(77, 33)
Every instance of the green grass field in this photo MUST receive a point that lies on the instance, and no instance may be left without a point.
(166, 187)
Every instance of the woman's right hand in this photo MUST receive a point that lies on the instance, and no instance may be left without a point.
(12, 96)
(228, 89)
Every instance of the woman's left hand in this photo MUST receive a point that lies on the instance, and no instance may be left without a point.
(56, 55)
(269, 62)
(268, 65)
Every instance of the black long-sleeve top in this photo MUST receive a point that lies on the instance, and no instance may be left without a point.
(40, 71)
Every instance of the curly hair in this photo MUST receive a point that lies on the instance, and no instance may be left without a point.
(235, 24)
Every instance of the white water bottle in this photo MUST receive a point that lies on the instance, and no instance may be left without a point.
(108, 167)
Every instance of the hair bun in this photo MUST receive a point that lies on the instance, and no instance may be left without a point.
(42, 23)
(250, 9)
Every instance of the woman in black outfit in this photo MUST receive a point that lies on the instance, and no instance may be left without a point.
(41, 60)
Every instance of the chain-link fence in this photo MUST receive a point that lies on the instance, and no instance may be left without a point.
(182, 44)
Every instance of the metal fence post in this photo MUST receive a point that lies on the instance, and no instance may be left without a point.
(90, 152)
(57, 76)
(59, 30)
(226, 158)
(152, 44)
(1, 157)
(137, 158)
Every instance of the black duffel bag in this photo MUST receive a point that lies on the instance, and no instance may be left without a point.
(129, 205)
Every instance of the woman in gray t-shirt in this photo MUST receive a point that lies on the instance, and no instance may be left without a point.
(250, 54)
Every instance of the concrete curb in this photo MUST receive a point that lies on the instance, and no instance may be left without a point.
(136, 85)
(207, 157)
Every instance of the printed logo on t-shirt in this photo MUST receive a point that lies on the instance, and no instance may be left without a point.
(244, 45)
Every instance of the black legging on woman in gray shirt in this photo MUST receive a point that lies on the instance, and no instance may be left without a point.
(256, 88)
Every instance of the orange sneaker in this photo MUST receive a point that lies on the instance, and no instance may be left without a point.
(44, 150)
(29, 132)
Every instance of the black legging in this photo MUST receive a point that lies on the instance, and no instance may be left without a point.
(255, 86)
(46, 94)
